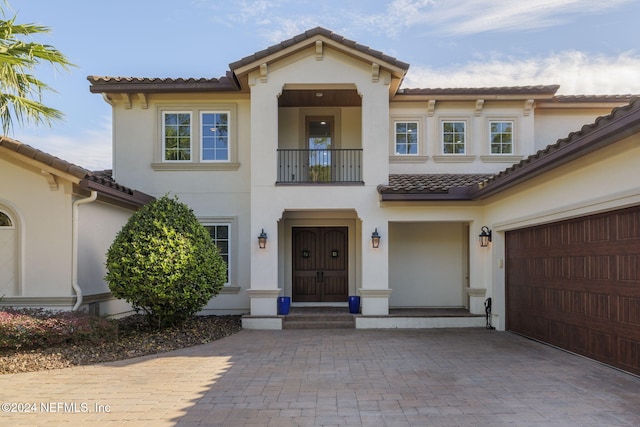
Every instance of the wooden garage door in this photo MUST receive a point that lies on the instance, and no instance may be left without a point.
(576, 284)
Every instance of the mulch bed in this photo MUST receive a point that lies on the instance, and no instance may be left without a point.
(135, 338)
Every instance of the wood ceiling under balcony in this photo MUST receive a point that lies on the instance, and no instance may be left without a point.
(312, 98)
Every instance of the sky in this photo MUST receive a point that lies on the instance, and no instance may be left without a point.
(588, 47)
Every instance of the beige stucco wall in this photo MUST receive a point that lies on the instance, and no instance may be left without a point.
(428, 264)
(97, 228)
(430, 158)
(556, 123)
(215, 195)
(44, 230)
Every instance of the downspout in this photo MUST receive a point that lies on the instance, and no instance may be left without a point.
(74, 242)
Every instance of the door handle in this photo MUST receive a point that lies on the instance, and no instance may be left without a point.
(319, 276)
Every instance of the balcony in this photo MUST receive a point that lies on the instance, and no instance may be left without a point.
(319, 166)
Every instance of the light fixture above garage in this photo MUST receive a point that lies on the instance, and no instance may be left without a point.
(484, 236)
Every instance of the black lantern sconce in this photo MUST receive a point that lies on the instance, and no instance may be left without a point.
(485, 236)
(375, 239)
(262, 240)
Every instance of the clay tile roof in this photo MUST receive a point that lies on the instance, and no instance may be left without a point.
(101, 84)
(101, 181)
(310, 34)
(430, 186)
(622, 122)
(42, 157)
(592, 98)
(506, 90)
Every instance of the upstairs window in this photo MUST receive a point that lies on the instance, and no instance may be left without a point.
(453, 137)
(215, 136)
(501, 137)
(406, 138)
(176, 136)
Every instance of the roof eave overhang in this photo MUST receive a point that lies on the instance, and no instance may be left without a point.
(575, 105)
(422, 197)
(74, 176)
(134, 199)
(452, 194)
(471, 97)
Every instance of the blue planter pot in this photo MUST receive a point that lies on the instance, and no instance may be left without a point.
(354, 305)
(284, 304)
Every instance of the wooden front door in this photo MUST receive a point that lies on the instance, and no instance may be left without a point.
(320, 264)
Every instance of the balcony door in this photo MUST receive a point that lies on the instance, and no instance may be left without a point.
(320, 264)
(320, 140)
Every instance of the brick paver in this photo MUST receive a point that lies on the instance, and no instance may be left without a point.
(441, 377)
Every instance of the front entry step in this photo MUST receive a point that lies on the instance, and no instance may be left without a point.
(319, 321)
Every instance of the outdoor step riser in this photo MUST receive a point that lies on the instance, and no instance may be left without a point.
(311, 318)
(318, 325)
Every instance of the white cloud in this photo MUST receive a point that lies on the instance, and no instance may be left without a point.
(576, 72)
(465, 17)
(91, 149)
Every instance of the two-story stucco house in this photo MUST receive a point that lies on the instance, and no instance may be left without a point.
(313, 144)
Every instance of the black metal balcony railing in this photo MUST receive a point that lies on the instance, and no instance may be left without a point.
(319, 166)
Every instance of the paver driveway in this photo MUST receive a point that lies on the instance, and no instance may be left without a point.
(441, 377)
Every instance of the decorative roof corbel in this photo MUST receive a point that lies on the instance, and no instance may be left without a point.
(263, 72)
(479, 105)
(143, 100)
(127, 100)
(431, 107)
(319, 50)
(375, 72)
(51, 180)
(528, 107)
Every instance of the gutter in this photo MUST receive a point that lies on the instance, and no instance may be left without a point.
(74, 243)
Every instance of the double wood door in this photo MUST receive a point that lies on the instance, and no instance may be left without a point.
(320, 264)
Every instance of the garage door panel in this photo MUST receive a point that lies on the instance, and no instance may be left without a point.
(629, 352)
(630, 310)
(628, 225)
(576, 285)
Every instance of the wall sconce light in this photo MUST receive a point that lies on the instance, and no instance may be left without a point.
(262, 240)
(375, 239)
(485, 236)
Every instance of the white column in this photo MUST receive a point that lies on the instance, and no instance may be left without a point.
(375, 290)
(264, 214)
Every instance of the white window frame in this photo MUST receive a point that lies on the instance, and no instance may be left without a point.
(465, 135)
(164, 134)
(196, 163)
(513, 136)
(229, 252)
(396, 122)
(201, 135)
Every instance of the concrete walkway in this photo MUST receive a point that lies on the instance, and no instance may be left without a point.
(440, 377)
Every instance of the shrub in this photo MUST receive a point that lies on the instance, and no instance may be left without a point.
(37, 328)
(164, 263)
